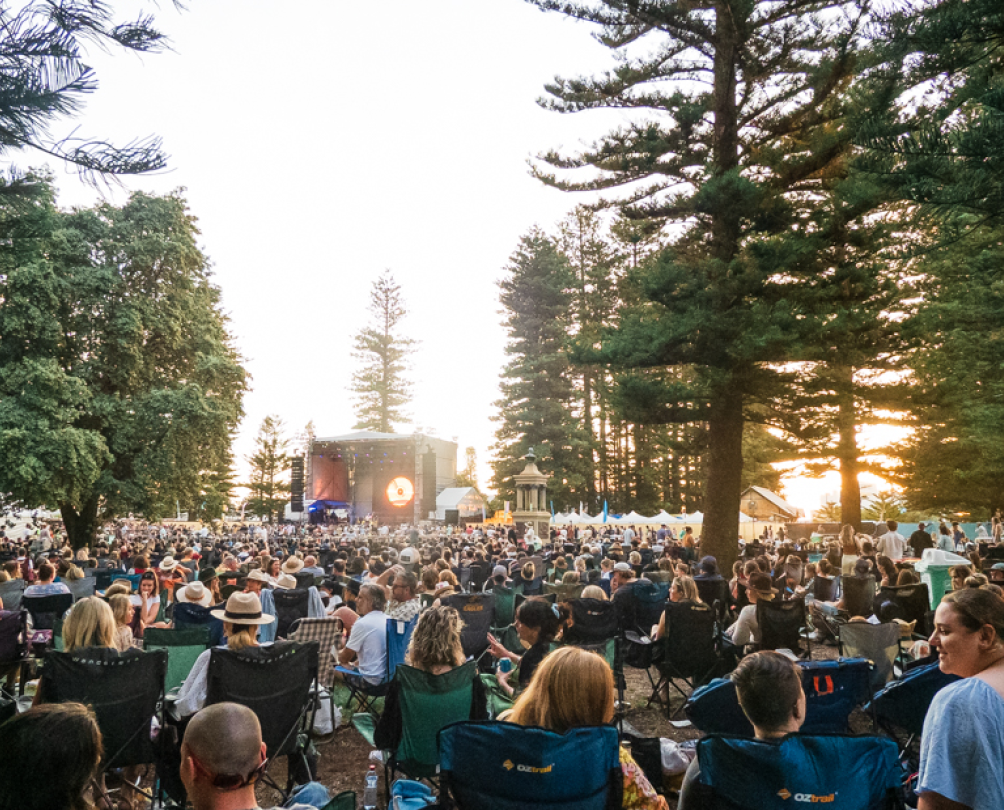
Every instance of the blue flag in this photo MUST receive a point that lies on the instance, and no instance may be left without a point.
(552, 508)
(604, 511)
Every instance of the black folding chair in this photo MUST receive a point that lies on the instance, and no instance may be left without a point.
(477, 611)
(289, 606)
(187, 615)
(14, 645)
(824, 589)
(126, 693)
(304, 580)
(858, 595)
(276, 683)
(911, 603)
(11, 593)
(715, 594)
(687, 650)
(782, 625)
(45, 610)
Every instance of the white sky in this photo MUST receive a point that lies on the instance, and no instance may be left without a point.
(322, 142)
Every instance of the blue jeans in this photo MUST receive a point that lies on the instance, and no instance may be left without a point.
(312, 794)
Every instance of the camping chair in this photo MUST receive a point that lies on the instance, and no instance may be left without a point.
(14, 645)
(504, 606)
(502, 766)
(227, 590)
(747, 774)
(325, 632)
(687, 651)
(346, 800)
(125, 693)
(425, 600)
(304, 580)
(564, 593)
(133, 579)
(552, 598)
(715, 594)
(183, 647)
(858, 595)
(11, 593)
(289, 606)
(424, 704)
(45, 611)
(480, 573)
(102, 577)
(879, 643)
(824, 589)
(782, 624)
(477, 611)
(275, 683)
(81, 588)
(593, 627)
(900, 707)
(911, 603)
(186, 615)
(362, 691)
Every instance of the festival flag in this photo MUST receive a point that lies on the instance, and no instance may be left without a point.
(484, 517)
(604, 511)
(552, 509)
(506, 509)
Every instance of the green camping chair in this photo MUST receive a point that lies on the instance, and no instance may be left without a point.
(563, 592)
(505, 606)
(426, 703)
(346, 800)
(425, 600)
(183, 648)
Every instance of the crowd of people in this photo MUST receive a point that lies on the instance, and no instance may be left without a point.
(362, 576)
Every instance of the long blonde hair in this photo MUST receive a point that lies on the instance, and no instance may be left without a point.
(240, 636)
(90, 624)
(436, 640)
(120, 605)
(571, 688)
(687, 587)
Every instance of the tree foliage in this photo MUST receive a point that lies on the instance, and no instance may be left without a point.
(43, 52)
(120, 389)
(269, 464)
(381, 387)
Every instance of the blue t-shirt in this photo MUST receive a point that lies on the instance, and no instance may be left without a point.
(963, 745)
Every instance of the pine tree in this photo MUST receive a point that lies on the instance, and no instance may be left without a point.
(537, 405)
(269, 464)
(746, 100)
(381, 388)
(468, 476)
(46, 77)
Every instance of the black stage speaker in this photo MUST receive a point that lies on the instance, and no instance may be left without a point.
(452, 517)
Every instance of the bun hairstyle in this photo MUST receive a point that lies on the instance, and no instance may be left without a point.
(977, 608)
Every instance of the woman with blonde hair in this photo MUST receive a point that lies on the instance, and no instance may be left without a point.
(90, 623)
(446, 586)
(435, 644)
(683, 589)
(594, 592)
(574, 688)
(122, 610)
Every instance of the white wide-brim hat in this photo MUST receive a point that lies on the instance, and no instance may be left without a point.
(243, 608)
(196, 594)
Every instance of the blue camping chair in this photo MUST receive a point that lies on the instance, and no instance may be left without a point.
(486, 765)
(899, 709)
(841, 772)
(363, 692)
(833, 689)
(186, 616)
(133, 579)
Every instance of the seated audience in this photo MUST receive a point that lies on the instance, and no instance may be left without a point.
(366, 648)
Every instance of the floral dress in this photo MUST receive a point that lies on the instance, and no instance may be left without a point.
(638, 791)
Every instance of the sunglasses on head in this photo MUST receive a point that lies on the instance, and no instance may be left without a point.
(230, 782)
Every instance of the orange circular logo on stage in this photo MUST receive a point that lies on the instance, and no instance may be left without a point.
(400, 492)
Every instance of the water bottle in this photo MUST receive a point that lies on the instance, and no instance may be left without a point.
(370, 793)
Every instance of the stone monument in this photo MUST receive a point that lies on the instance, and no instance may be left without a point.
(531, 499)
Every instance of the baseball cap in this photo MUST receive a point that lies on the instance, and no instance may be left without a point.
(623, 566)
(499, 571)
(408, 556)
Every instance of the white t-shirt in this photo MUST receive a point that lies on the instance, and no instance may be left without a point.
(368, 641)
(892, 545)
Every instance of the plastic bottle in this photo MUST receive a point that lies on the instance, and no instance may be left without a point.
(370, 792)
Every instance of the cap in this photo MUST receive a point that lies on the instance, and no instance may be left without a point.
(499, 571)
(623, 566)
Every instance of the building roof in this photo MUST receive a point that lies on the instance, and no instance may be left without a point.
(450, 497)
(364, 436)
(777, 500)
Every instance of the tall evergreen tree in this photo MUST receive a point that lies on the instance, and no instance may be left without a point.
(381, 388)
(745, 96)
(120, 388)
(269, 464)
(537, 406)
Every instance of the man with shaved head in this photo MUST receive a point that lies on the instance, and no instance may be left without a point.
(223, 756)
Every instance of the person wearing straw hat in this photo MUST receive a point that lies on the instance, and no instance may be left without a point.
(170, 577)
(241, 619)
(195, 593)
(292, 566)
(256, 581)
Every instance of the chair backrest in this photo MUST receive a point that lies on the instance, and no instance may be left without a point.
(183, 647)
(593, 621)
(909, 603)
(477, 612)
(564, 593)
(398, 637)
(11, 593)
(123, 691)
(45, 610)
(824, 588)
(102, 578)
(274, 682)
(522, 597)
(715, 594)
(780, 623)
(480, 571)
(13, 626)
(304, 580)
(877, 642)
(289, 606)
(689, 642)
(429, 703)
(747, 774)
(133, 578)
(859, 594)
(502, 766)
(82, 588)
(904, 703)
(186, 615)
(324, 632)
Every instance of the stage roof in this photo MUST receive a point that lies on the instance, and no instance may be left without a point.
(365, 436)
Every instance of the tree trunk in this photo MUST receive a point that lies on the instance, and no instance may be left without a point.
(587, 415)
(80, 526)
(725, 465)
(847, 450)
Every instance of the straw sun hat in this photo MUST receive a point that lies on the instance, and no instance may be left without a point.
(243, 608)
